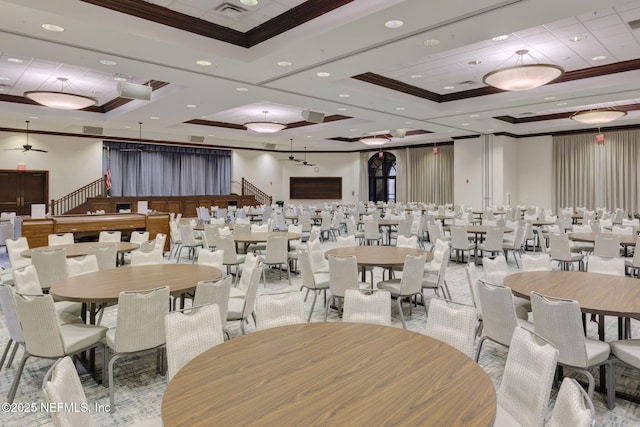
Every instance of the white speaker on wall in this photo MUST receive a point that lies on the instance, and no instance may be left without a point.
(313, 116)
(134, 91)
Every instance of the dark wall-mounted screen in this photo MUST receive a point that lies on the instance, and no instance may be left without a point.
(315, 188)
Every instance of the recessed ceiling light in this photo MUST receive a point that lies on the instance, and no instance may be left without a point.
(577, 38)
(415, 76)
(464, 124)
(474, 62)
(211, 134)
(309, 136)
(107, 62)
(119, 79)
(353, 130)
(500, 38)
(51, 27)
(203, 62)
(242, 89)
(34, 117)
(127, 127)
(15, 60)
(549, 98)
(560, 104)
(191, 106)
(342, 109)
(474, 116)
(400, 108)
(4, 78)
(431, 42)
(284, 64)
(450, 130)
(393, 24)
(249, 2)
(599, 58)
(490, 130)
(408, 123)
(459, 111)
(323, 74)
(447, 87)
(155, 118)
(344, 95)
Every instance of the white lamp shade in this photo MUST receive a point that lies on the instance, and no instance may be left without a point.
(374, 140)
(264, 127)
(60, 100)
(523, 77)
(594, 117)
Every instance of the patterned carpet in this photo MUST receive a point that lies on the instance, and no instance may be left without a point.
(139, 390)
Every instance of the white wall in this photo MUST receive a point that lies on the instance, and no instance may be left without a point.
(508, 181)
(467, 165)
(271, 172)
(535, 171)
(71, 162)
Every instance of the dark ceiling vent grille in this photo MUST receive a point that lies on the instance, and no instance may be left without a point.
(230, 10)
(634, 24)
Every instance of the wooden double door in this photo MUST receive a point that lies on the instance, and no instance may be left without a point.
(19, 190)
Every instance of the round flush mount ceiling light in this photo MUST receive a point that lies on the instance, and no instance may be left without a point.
(61, 100)
(523, 76)
(598, 116)
(393, 24)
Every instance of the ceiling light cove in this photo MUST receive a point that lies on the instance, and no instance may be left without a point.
(323, 74)
(52, 27)
(284, 64)
(203, 63)
(393, 24)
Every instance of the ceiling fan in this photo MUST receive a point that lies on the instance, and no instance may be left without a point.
(304, 162)
(27, 147)
(141, 147)
(291, 156)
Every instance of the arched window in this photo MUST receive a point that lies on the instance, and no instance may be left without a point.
(382, 177)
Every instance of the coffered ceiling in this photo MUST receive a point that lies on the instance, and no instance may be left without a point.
(335, 57)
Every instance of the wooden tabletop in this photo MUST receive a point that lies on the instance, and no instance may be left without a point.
(597, 293)
(385, 222)
(106, 285)
(82, 249)
(258, 237)
(625, 239)
(539, 222)
(482, 229)
(379, 256)
(331, 373)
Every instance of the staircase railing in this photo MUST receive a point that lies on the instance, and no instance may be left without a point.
(78, 197)
(248, 189)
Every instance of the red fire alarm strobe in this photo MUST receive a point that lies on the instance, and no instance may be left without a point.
(21, 167)
(600, 138)
(435, 150)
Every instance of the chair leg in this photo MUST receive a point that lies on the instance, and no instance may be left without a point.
(313, 304)
(611, 384)
(13, 354)
(404, 325)
(16, 379)
(112, 390)
(328, 304)
(6, 351)
(479, 347)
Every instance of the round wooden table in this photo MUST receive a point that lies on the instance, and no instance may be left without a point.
(378, 256)
(261, 237)
(625, 239)
(82, 249)
(330, 374)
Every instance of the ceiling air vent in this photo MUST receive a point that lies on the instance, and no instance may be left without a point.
(230, 10)
(269, 146)
(194, 138)
(634, 24)
(466, 83)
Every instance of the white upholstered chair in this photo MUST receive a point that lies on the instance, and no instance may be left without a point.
(453, 323)
(573, 406)
(273, 310)
(367, 306)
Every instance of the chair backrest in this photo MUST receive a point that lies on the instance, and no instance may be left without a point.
(306, 270)
(452, 323)
(140, 323)
(473, 275)
(189, 333)
(560, 322)
(279, 310)
(294, 228)
(211, 258)
(498, 312)
(160, 240)
(318, 260)
(305, 221)
(26, 281)
(106, 256)
(542, 240)
(625, 230)
(607, 245)
(14, 248)
(40, 326)
(251, 292)
(9, 311)
(277, 249)
(494, 238)
(259, 228)
(559, 246)
(6, 232)
(228, 245)
(62, 385)
(51, 265)
(110, 236)
(187, 235)
(371, 229)
(139, 237)
(241, 228)
(407, 242)
(612, 266)
(573, 406)
(209, 292)
(60, 239)
(540, 262)
(146, 258)
(495, 270)
(636, 254)
(527, 379)
(367, 306)
(81, 265)
(412, 273)
(459, 237)
(343, 274)
(346, 241)
(595, 226)
(209, 235)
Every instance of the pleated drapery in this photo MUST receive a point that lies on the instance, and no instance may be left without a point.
(166, 170)
(364, 176)
(428, 176)
(595, 175)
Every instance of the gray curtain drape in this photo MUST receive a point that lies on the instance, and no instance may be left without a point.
(166, 170)
(402, 173)
(593, 175)
(429, 176)
(364, 176)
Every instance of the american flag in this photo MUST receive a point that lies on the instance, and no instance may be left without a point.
(108, 179)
